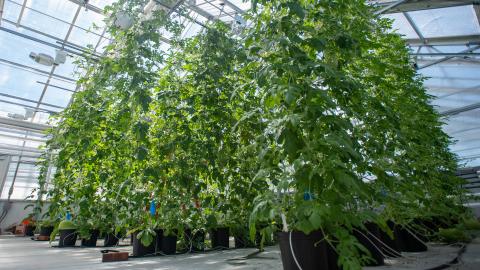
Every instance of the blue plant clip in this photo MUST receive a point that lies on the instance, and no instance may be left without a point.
(307, 196)
(153, 208)
(68, 216)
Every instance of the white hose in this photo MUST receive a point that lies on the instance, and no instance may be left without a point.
(291, 250)
(416, 237)
(65, 238)
(389, 249)
(371, 242)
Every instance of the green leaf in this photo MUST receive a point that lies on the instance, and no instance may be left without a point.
(141, 153)
(296, 8)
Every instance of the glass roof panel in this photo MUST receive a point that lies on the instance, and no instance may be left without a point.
(83, 37)
(401, 25)
(90, 20)
(452, 21)
(62, 10)
(452, 75)
(41, 117)
(68, 68)
(44, 23)
(17, 49)
(101, 3)
(19, 82)
(464, 129)
(57, 97)
(11, 10)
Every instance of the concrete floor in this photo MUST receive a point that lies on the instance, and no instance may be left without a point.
(435, 256)
(21, 253)
(470, 259)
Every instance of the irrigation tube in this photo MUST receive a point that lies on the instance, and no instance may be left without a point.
(416, 237)
(371, 242)
(385, 245)
(291, 250)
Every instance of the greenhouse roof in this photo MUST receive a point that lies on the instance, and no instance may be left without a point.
(444, 37)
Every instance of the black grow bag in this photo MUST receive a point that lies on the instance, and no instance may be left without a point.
(332, 257)
(196, 241)
(409, 242)
(29, 230)
(141, 250)
(46, 231)
(92, 240)
(67, 238)
(169, 244)
(309, 250)
(242, 240)
(111, 240)
(370, 240)
(390, 246)
(158, 240)
(219, 237)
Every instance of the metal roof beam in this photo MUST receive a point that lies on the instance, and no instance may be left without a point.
(413, 5)
(22, 138)
(445, 41)
(414, 26)
(233, 6)
(34, 70)
(43, 42)
(461, 109)
(31, 101)
(24, 5)
(35, 109)
(446, 54)
(2, 4)
(18, 148)
(476, 8)
(88, 6)
(390, 6)
(23, 124)
(449, 57)
(201, 12)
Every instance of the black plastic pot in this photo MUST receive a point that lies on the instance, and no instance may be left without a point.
(243, 241)
(390, 246)
(92, 240)
(158, 240)
(424, 228)
(309, 250)
(332, 257)
(111, 240)
(46, 231)
(219, 237)
(410, 242)
(141, 250)
(197, 241)
(169, 244)
(369, 239)
(67, 238)
(30, 230)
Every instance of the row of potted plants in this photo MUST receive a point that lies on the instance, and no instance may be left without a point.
(310, 125)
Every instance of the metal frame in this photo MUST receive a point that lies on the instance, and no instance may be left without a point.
(469, 50)
(393, 6)
(461, 109)
(5, 174)
(2, 4)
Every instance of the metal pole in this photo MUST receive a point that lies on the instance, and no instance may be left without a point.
(449, 57)
(7, 159)
(393, 5)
